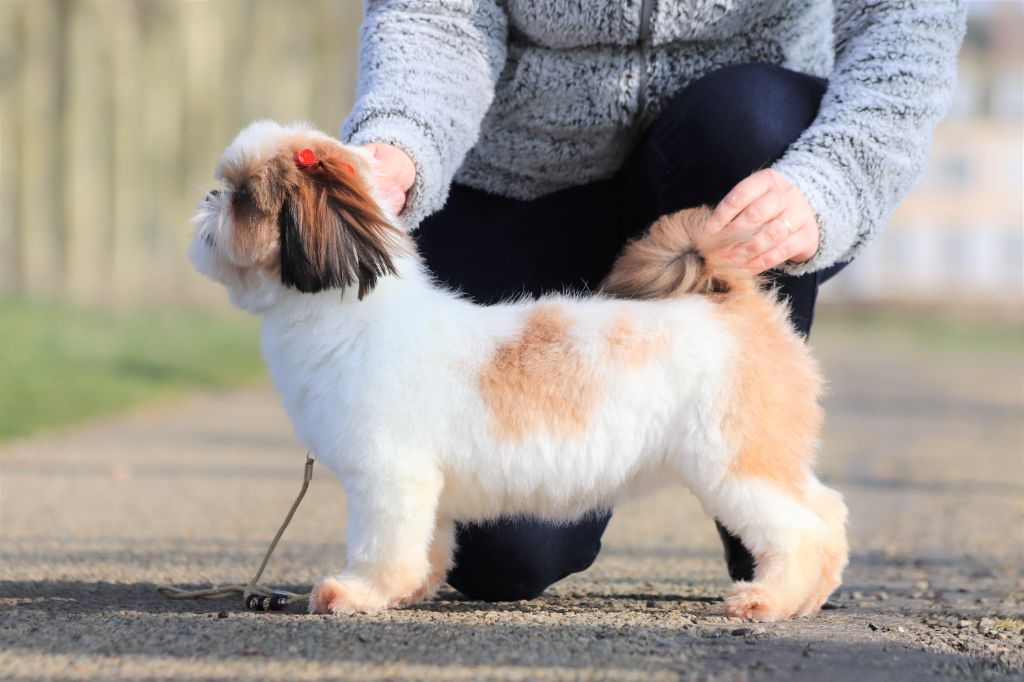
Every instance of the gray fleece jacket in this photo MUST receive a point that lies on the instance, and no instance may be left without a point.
(524, 97)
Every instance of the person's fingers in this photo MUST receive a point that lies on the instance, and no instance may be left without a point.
(396, 199)
(773, 233)
(772, 218)
(394, 172)
(397, 164)
(739, 198)
(760, 212)
(773, 257)
(808, 244)
(797, 243)
(375, 156)
(390, 194)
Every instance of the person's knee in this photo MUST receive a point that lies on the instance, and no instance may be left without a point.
(759, 108)
(742, 118)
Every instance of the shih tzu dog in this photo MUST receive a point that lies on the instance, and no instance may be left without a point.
(432, 409)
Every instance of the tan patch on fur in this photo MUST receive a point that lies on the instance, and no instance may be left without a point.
(633, 347)
(539, 381)
(773, 418)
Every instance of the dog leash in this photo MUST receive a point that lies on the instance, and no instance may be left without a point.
(257, 597)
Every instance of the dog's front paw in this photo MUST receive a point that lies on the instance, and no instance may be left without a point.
(425, 591)
(345, 595)
(755, 602)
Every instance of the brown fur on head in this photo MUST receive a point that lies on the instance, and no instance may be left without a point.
(674, 257)
(310, 226)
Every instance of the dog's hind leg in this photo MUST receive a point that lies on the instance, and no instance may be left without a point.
(391, 523)
(829, 506)
(786, 537)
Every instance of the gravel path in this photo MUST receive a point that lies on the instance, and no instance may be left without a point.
(928, 448)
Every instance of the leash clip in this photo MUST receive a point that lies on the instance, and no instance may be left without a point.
(278, 601)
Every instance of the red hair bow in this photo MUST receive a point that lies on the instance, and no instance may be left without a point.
(305, 158)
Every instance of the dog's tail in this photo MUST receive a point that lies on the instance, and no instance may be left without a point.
(675, 258)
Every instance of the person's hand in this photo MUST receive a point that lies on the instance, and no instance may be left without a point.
(777, 218)
(394, 172)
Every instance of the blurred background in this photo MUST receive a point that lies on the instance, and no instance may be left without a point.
(140, 442)
(112, 114)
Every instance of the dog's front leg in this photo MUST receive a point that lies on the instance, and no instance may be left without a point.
(391, 524)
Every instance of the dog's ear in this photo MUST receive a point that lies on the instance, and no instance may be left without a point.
(332, 232)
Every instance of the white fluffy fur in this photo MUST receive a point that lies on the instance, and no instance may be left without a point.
(385, 391)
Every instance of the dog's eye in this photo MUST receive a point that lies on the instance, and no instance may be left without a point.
(242, 195)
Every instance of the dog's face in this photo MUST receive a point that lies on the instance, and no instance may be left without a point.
(296, 210)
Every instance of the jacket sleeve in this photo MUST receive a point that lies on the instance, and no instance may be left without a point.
(427, 70)
(893, 80)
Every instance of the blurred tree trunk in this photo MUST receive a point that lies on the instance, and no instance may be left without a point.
(88, 149)
(113, 113)
(42, 98)
(12, 73)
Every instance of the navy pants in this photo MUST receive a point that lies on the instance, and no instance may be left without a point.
(713, 134)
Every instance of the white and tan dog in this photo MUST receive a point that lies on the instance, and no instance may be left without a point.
(432, 409)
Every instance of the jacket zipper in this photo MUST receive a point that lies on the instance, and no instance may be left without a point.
(646, 8)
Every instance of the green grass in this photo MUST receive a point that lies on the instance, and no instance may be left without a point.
(923, 330)
(60, 365)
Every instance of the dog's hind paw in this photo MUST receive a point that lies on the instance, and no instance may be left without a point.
(752, 601)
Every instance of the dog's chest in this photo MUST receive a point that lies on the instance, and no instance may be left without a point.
(316, 369)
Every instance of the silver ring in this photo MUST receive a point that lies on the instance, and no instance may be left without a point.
(788, 225)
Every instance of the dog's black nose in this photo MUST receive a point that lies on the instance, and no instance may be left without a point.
(214, 193)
